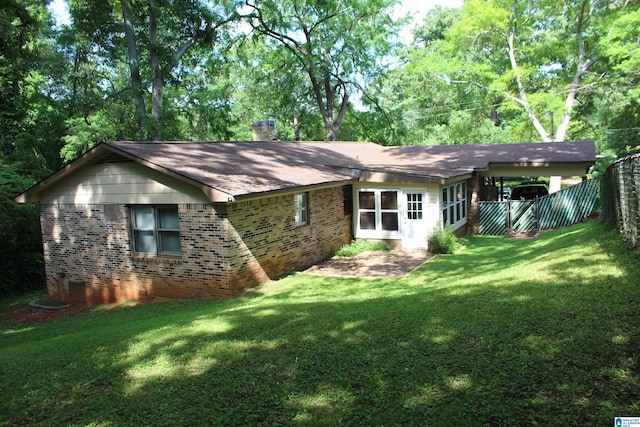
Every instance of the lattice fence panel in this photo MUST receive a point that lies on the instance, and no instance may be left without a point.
(493, 218)
(569, 206)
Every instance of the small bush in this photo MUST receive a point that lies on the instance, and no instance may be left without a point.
(359, 246)
(443, 241)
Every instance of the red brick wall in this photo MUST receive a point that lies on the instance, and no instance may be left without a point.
(473, 200)
(225, 248)
(266, 232)
(90, 246)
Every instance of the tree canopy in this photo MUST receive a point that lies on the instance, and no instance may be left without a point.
(338, 45)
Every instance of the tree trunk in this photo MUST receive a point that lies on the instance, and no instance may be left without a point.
(134, 67)
(522, 93)
(330, 129)
(494, 114)
(296, 128)
(156, 82)
(331, 125)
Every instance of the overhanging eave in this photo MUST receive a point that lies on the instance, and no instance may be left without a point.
(536, 169)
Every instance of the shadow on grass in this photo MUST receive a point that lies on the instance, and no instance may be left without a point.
(506, 333)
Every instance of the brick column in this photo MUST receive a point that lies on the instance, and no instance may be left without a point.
(474, 208)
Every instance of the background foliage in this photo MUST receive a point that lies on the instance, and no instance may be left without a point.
(491, 71)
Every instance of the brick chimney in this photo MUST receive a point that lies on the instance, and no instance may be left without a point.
(264, 130)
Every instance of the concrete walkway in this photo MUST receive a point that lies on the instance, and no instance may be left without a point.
(372, 264)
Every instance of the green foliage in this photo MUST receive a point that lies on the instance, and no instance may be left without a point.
(358, 246)
(601, 165)
(459, 84)
(31, 126)
(335, 45)
(84, 134)
(30, 114)
(620, 43)
(529, 332)
(173, 58)
(435, 26)
(271, 94)
(21, 249)
(443, 241)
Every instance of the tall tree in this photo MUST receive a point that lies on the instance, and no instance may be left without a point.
(269, 85)
(424, 106)
(28, 62)
(616, 106)
(31, 126)
(185, 25)
(163, 40)
(339, 45)
(537, 55)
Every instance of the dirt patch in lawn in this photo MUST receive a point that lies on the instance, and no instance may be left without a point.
(30, 314)
(26, 315)
(373, 264)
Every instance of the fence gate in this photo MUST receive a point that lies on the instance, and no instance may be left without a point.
(569, 206)
(522, 216)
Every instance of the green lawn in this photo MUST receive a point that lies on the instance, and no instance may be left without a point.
(505, 333)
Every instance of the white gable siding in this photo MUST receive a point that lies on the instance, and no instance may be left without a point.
(125, 183)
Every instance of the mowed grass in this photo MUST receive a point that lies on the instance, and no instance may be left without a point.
(529, 332)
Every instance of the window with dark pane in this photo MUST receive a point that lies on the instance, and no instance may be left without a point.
(367, 220)
(156, 230)
(390, 221)
(378, 210)
(389, 200)
(367, 200)
(454, 203)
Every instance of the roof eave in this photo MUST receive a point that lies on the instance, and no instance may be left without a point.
(289, 190)
(538, 168)
(398, 177)
(213, 194)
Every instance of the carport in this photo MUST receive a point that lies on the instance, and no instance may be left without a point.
(560, 208)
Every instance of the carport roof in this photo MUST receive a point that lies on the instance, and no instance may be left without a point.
(482, 156)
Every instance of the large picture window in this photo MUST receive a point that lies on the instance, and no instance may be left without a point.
(156, 230)
(378, 210)
(454, 204)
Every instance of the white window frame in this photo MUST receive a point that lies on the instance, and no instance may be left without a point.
(453, 201)
(155, 230)
(414, 210)
(377, 232)
(301, 208)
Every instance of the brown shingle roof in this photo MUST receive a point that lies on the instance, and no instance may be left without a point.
(481, 156)
(240, 168)
(228, 170)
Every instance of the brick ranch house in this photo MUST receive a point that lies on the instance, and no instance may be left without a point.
(133, 220)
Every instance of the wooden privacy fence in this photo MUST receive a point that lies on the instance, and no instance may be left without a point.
(569, 206)
(621, 199)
